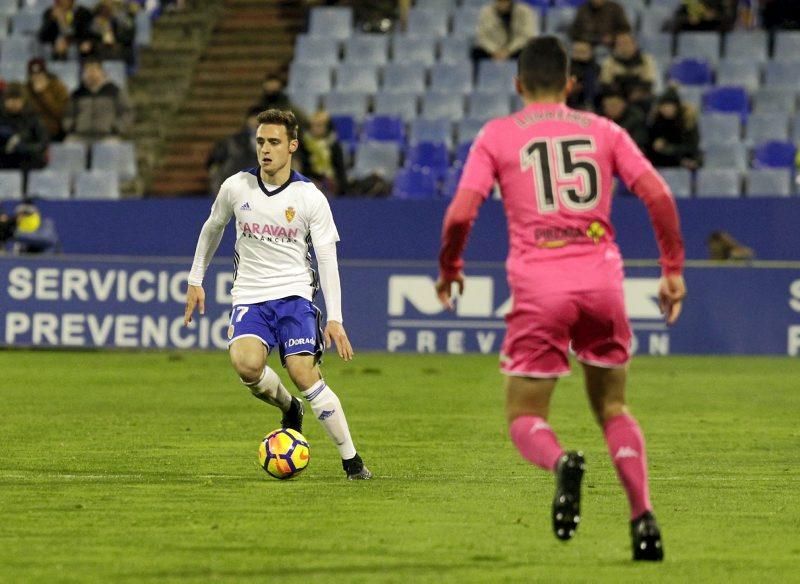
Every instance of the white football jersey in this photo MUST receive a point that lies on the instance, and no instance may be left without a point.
(275, 230)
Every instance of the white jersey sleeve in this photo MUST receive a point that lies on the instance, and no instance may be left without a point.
(320, 222)
(211, 235)
(329, 280)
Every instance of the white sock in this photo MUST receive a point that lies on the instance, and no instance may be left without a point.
(270, 389)
(328, 410)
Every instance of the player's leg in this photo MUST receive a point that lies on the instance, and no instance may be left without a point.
(527, 408)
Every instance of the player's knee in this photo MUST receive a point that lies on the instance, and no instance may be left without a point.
(610, 410)
(303, 375)
(248, 367)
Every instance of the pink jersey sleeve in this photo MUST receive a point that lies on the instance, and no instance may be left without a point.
(480, 169)
(629, 161)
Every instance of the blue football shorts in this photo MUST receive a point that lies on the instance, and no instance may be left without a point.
(293, 324)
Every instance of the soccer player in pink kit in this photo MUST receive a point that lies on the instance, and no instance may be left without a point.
(554, 166)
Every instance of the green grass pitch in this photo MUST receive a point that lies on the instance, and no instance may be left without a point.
(141, 467)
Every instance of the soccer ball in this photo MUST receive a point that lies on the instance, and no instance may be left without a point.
(283, 453)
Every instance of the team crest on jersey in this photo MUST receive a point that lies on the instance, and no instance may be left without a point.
(596, 231)
(289, 214)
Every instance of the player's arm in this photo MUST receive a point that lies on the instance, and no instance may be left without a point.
(207, 244)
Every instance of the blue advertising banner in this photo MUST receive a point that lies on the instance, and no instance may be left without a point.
(388, 306)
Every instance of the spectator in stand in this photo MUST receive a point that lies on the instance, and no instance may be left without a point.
(709, 15)
(23, 137)
(586, 72)
(504, 26)
(98, 109)
(48, 96)
(273, 96)
(234, 153)
(616, 108)
(780, 14)
(628, 70)
(322, 155)
(64, 25)
(673, 134)
(114, 25)
(599, 22)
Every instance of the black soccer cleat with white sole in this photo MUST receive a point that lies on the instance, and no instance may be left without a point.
(567, 500)
(293, 417)
(355, 469)
(646, 538)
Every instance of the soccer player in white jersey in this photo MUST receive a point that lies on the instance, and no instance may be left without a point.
(279, 216)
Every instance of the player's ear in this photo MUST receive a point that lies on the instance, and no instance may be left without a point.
(293, 146)
(570, 84)
(517, 85)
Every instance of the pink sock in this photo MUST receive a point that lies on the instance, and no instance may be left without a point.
(536, 441)
(626, 447)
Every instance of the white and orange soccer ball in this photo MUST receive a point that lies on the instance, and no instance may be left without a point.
(284, 453)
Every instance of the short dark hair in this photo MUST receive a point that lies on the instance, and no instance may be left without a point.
(283, 118)
(543, 65)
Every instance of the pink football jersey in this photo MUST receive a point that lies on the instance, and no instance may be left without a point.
(555, 168)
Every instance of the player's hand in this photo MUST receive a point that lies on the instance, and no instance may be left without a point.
(334, 331)
(444, 289)
(195, 298)
(671, 292)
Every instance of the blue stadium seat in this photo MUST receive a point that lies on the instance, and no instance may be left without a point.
(782, 74)
(97, 184)
(427, 23)
(367, 48)
(306, 101)
(356, 78)
(691, 72)
(655, 19)
(450, 182)
(299, 71)
(679, 181)
(404, 105)
(316, 50)
(746, 74)
(699, 45)
(488, 105)
(381, 158)
(693, 94)
(659, 45)
(774, 154)
(496, 75)
(462, 151)
(67, 71)
(49, 184)
(430, 130)
(312, 82)
(408, 50)
(787, 46)
(67, 157)
(751, 45)
(719, 129)
(774, 99)
(331, 21)
(731, 155)
(716, 182)
(764, 127)
(346, 129)
(26, 23)
(10, 185)
(465, 22)
(454, 49)
(769, 182)
(727, 99)
(414, 184)
(349, 104)
(119, 157)
(468, 128)
(431, 157)
(403, 78)
(443, 105)
(453, 78)
(384, 128)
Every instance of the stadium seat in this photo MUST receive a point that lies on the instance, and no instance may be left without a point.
(17, 48)
(119, 157)
(746, 74)
(452, 78)
(356, 78)
(450, 182)
(349, 104)
(751, 45)
(26, 23)
(396, 104)
(769, 182)
(67, 157)
(559, 19)
(719, 129)
(693, 94)
(659, 45)
(690, 72)
(4, 23)
(698, 45)
(48, 184)
(468, 128)
(713, 182)
(403, 78)
(496, 76)
(679, 181)
(488, 105)
(462, 151)
(454, 49)
(117, 72)
(447, 6)
(346, 129)
(319, 82)
(67, 71)
(316, 50)
(782, 74)
(331, 21)
(427, 23)
(787, 46)
(13, 71)
(144, 29)
(382, 158)
(727, 99)
(307, 101)
(774, 100)
(432, 157)
(443, 105)
(10, 185)
(730, 155)
(430, 130)
(97, 184)
(774, 154)
(655, 19)
(413, 49)
(299, 71)
(764, 127)
(414, 184)
(465, 22)
(384, 128)
(367, 48)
